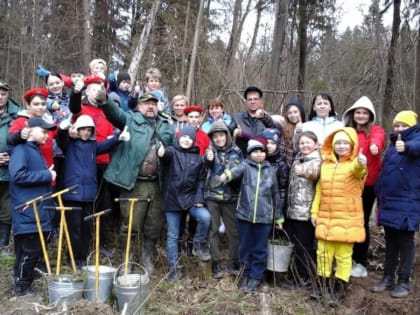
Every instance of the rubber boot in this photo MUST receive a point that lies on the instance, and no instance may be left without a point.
(4, 238)
(216, 269)
(234, 267)
(147, 254)
(337, 292)
(320, 288)
(201, 250)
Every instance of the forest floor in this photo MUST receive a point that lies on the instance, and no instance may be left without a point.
(197, 293)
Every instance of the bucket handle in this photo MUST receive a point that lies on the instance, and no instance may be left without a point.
(90, 255)
(116, 273)
(285, 233)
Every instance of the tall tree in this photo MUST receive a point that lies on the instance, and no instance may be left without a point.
(303, 43)
(87, 30)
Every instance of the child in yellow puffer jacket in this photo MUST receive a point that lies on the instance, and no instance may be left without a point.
(337, 211)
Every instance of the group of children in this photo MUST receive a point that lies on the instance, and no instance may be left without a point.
(314, 191)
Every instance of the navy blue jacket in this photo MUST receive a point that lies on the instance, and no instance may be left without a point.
(398, 185)
(29, 178)
(184, 181)
(80, 164)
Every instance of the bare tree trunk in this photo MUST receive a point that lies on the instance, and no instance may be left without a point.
(260, 7)
(417, 75)
(184, 47)
(303, 39)
(87, 30)
(194, 50)
(280, 27)
(390, 72)
(142, 43)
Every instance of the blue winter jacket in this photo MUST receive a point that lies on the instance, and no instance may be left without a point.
(29, 179)
(80, 165)
(398, 185)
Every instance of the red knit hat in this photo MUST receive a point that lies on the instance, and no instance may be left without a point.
(193, 108)
(91, 80)
(35, 91)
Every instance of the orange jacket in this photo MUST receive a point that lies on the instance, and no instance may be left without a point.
(337, 206)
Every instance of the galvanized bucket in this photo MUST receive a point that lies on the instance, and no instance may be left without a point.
(279, 254)
(65, 287)
(131, 289)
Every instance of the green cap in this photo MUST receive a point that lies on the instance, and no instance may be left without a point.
(4, 85)
(147, 97)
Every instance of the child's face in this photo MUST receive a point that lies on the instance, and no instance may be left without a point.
(307, 145)
(293, 114)
(257, 156)
(77, 77)
(124, 85)
(342, 148)
(84, 133)
(37, 107)
(39, 135)
(216, 112)
(322, 107)
(361, 116)
(194, 119)
(185, 142)
(178, 107)
(219, 138)
(271, 146)
(98, 70)
(55, 85)
(153, 84)
(399, 126)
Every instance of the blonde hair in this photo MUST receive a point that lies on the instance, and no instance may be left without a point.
(179, 97)
(153, 73)
(95, 62)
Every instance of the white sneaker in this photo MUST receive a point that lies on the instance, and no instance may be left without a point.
(359, 271)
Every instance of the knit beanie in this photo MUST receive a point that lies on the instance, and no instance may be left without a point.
(121, 76)
(272, 134)
(256, 144)
(188, 131)
(407, 117)
(341, 136)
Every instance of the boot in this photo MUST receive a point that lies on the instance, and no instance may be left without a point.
(337, 291)
(4, 238)
(201, 250)
(386, 283)
(189, 248)
(234, 267)
(174, 274)
(252, 286)
(147, 254)
(402, 289)
(216, 269)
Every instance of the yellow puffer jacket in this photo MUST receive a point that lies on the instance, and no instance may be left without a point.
(337, 207)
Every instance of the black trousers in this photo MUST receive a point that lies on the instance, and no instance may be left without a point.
(28, 253)
(360, 250)
(399, 246)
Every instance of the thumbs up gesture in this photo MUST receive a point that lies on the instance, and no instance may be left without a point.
(52, 172)
(161, 150)
(209, 154)
(78, 86)
(362, 158)
(124, 135)
(25, 132)
(399, 144)
(137, 87)
(374, 149)
(298, 168)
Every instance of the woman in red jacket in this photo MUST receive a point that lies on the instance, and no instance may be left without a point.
(361, 116)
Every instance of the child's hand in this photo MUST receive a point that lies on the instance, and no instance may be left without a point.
(52, 172)
(279, 226)
(65, 124)
(4, 158)
(124, 135)
(25, 132)
(259, 113)
(78, 86)
(137, 87)
(361, 158)
(161, 150)
(399, 144)
(298, 127)
(55, 105)
(209, 154)
(313, 222)
(237, 132)
(374, 149)
(198, 205)
(73, 132)
(223, 178)
(298, 168)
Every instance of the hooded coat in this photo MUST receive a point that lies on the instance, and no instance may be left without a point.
(398, 185)
(337, 206)
(375, 135)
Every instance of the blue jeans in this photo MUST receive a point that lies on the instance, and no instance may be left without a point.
(173, 219)
(253, 238)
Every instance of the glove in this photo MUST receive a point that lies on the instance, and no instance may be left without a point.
(42, 72)
(124, 135)
(100, 95)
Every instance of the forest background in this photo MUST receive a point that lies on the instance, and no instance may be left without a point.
(294, 48)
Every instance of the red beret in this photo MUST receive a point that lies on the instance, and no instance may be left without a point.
(193, 108)
(91, 80)
(35, 91)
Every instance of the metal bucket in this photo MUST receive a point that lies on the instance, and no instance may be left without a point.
(279, 254)
(65, 287)
(131, 290)
(106, 277)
